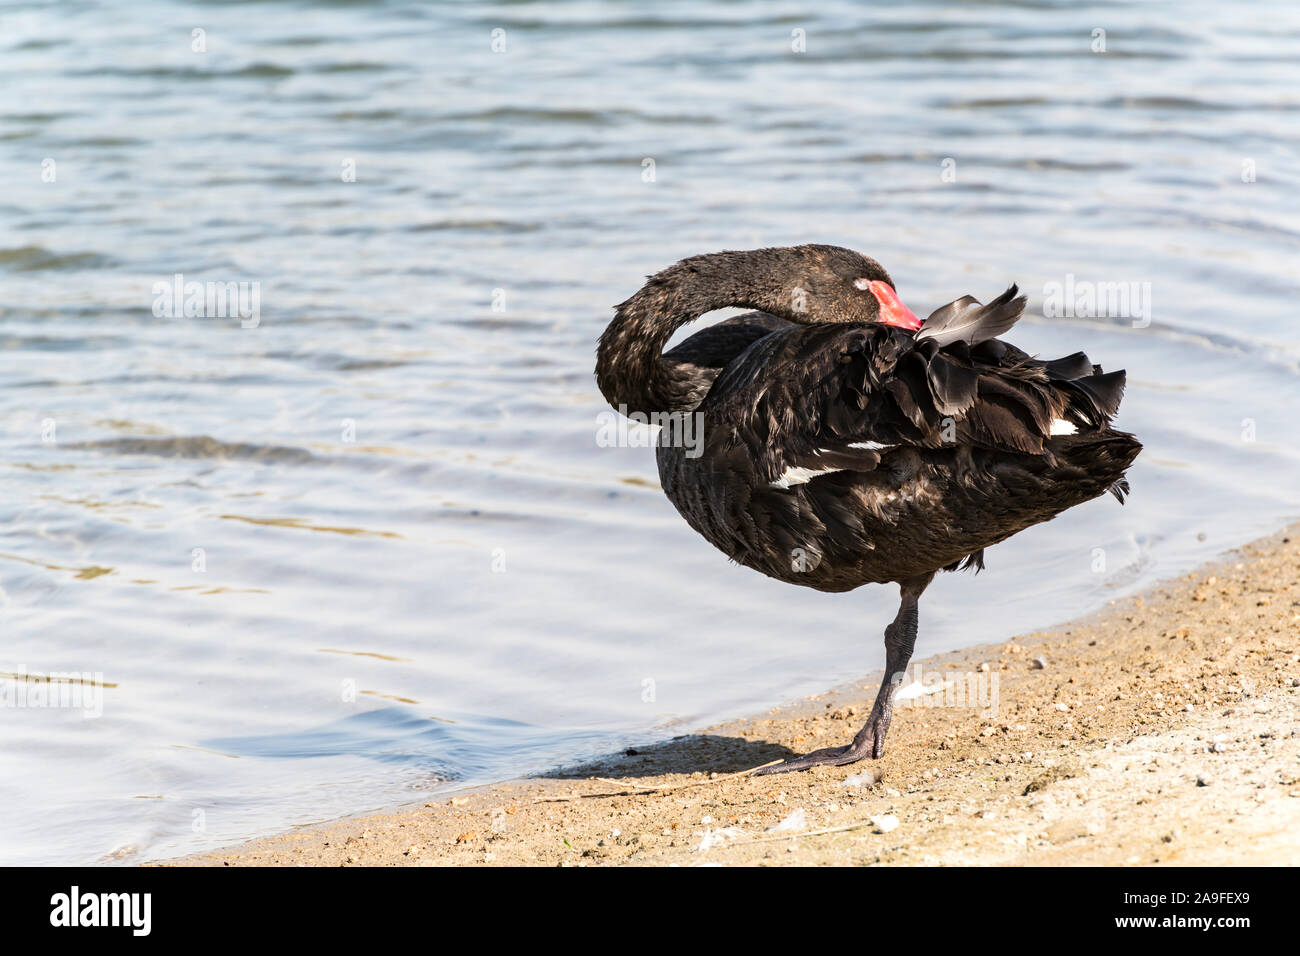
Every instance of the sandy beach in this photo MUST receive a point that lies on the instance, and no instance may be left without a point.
(1163, 730)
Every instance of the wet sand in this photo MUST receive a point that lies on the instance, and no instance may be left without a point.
(1163, 730)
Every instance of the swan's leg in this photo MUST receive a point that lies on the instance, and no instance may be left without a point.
(900, 639)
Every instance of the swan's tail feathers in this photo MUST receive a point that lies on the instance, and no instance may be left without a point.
(1095, 462)
(965, 320)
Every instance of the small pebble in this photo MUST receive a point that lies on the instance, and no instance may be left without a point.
(867, 778)
(1204, 780)
(885, 823)
(1038, 664)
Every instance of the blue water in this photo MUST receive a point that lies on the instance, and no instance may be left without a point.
(369, 546)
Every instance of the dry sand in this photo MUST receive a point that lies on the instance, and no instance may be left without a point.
(1164, 730)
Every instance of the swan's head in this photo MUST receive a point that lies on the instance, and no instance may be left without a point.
(832, 284)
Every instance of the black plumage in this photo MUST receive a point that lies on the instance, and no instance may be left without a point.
(839, 450)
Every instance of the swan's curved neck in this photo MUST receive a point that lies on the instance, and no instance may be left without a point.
(631, 371)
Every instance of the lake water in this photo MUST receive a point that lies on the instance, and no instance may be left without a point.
(365, 545)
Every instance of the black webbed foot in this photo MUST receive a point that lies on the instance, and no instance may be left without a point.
(869, 743)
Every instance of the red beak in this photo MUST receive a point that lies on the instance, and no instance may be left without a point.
(892, 310)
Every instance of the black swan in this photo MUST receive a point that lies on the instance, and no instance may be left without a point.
(833, 439)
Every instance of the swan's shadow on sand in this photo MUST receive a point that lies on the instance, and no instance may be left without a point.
(681, 755)
(485, 748)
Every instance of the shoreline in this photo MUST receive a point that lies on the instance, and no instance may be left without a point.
(1163, 729)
